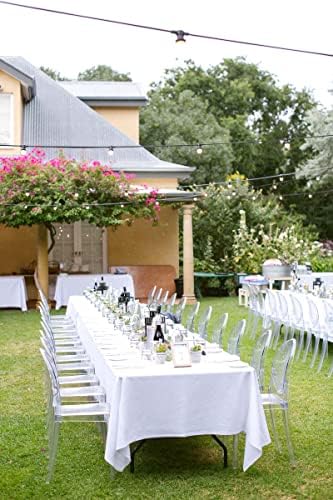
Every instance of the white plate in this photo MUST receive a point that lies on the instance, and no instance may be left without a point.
(238, 364)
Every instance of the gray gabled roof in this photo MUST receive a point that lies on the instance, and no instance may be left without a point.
(55, 117)
(112, 94)
(27, 81)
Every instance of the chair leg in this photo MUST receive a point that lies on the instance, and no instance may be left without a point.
(276, 438)
(324, 352)
(286, 333)
(307, 346)
(255, 326)
(330, 372)
(277, 335)
(301, 343)
(289, 443)
(315, 351)
(235, 439)
(53, 450)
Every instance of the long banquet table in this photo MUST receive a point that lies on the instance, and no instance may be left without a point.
(74, 284)
(13, 292)
(148, 400)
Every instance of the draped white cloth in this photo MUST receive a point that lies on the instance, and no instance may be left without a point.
(13, 292)
(150, 400)
(75, 284)
(308, 279)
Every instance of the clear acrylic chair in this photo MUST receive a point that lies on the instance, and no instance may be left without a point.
(326, 331)
(330, 371)
(191, 316)
(258, 356)
(58, 413)
(158, 295)
(277, 396)
(235, 336)
(297, 321)
(164, 298)
(219, 330)
(202, 328)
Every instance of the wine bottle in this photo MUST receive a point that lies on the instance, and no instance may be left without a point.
(159, 335)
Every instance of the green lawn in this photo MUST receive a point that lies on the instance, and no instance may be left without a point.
(170, 468)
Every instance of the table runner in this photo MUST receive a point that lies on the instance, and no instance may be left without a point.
(150, 400)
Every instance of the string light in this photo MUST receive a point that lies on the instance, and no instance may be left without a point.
(281, 179)
(163, 30)
(274, 186)
(111, 151)
(310, 195)
(199, 149)
(280, 197)
(23, 150)
(180, 34)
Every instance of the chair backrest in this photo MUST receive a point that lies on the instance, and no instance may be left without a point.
(328, 324)
(52, 375)
(191, 316)
(258, 356)
(283, 306)
(203, 322)
(151, 295)
(296, 316)
(171, 303)
(235, 336)
(313, 314)
(219, 329)
(165, 297)
(271, 304)
(159, 295)
(180, 309)
(279, 382)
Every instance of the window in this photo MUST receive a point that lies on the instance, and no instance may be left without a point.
(6, 118)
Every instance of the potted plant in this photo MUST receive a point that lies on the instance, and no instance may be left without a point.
(196, 353)
(161, 352)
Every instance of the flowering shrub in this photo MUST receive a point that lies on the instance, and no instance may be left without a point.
(38, 191)
(252, 247)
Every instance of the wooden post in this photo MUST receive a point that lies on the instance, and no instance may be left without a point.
(43, 259)
(188, 265)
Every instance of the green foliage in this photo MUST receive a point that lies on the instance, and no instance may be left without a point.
(185, 119)
(55, 75)
(322, 264)
(251, 248)
(255, 113)
(104, 73)
(34, 191)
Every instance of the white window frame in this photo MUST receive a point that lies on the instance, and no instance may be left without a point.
(11, 117)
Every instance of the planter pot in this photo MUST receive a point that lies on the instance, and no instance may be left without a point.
(274, 269)
(195, 356)
(160, 357)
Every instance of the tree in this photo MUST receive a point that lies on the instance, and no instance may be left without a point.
(104, 73)
(186, 120)
(260, 115)
(55, 75)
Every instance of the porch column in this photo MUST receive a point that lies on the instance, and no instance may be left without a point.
(42, 259)
(188, 255)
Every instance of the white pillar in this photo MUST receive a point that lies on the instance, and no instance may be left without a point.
(188, 267)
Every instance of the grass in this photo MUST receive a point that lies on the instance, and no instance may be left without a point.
(165, 469)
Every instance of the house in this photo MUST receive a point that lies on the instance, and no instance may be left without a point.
(38, 111)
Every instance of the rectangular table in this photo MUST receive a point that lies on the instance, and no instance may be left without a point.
(13, 292)
(75, 284)
(148, 400)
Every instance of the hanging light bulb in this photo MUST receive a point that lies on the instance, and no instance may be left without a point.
(280, 198)
(23, 150)
(180, 34)
(318, 178)
(310, 195)
(274, 186)
(254, 198)
(110, 151)
(281, 179)
(199, 149)
(229, 185)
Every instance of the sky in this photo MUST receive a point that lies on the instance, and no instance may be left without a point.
(71, 45)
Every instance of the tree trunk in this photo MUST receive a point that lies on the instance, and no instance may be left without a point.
(42, 259)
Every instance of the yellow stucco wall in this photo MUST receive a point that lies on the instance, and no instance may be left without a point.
(125, 119)
(11, 86)
(145, 244)
(17, 248)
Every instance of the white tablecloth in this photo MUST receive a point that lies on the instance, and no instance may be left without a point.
(308, 279)
(149, 400)
(13, 292)
(75, 284)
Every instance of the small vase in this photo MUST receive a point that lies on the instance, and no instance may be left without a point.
(195, 356)
(160, 357)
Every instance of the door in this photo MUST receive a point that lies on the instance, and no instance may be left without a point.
(80, 247)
